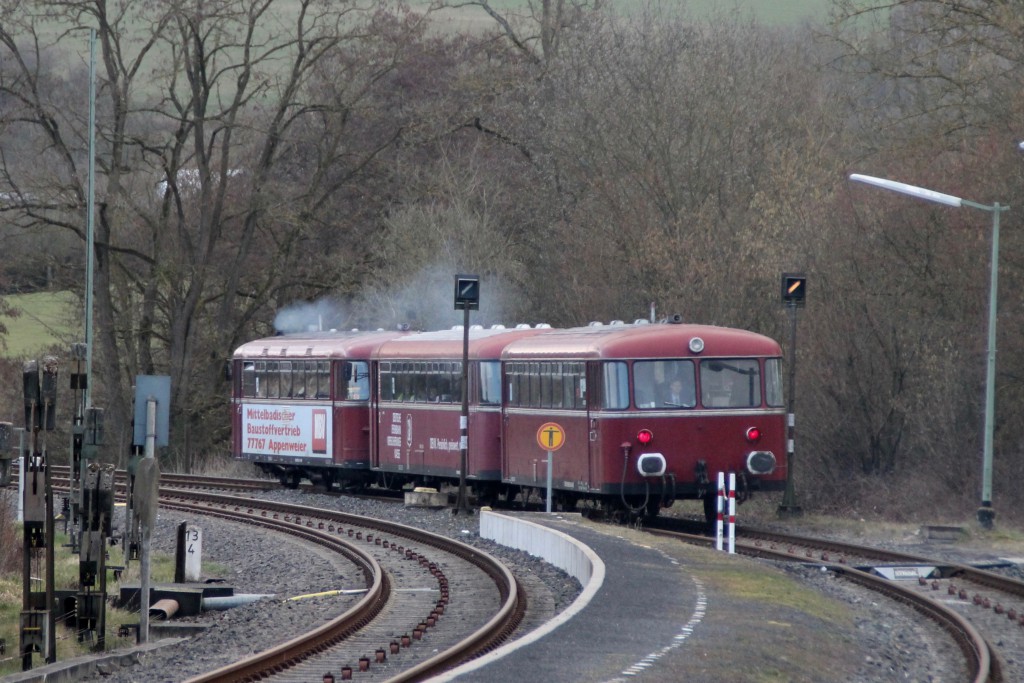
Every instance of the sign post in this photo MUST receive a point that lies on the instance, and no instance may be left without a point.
(550, 437)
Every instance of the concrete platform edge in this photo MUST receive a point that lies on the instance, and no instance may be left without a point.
(80, 667)
(563, 551)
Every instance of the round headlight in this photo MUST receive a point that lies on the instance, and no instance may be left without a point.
(696, 345)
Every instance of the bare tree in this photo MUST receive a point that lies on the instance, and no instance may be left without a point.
(228, 130)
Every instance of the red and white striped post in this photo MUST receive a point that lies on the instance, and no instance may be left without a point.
(720, 502)
(720, 524)
(732, 513)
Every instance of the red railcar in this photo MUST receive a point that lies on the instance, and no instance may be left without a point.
(417, 430)
(642, 414)
(301, 405)
(648, 413)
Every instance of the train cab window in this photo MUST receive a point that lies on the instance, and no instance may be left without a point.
(490, 383)
(661, 384)
(616, 385)
(730, 383)
(357, 380)
(773, 382)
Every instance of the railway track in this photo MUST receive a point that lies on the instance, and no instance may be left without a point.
(431, 602)
(983, 612)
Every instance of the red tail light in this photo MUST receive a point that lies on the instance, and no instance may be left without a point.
(753, 435)
(645, 436)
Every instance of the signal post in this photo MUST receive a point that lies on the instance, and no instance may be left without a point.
(794, 294)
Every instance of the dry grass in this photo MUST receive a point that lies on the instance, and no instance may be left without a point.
(10, 533)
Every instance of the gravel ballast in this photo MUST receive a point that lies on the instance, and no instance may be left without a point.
(894, 644)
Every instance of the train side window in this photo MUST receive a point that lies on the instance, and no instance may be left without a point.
(544, 399)
(261, 379)
(512, 378)
(773, 382)
(305, 380)
(298, 379)
(490, 382)
(387, 382)
(456, 381)
(616, 385)
(273, 379)
(323, 379)
(285, 367)
(557, 385)
(249, 381)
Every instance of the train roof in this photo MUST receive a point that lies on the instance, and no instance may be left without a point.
(656, 340)
(333, 344)
(484, 343)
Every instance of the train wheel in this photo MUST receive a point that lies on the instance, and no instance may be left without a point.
(326, 482)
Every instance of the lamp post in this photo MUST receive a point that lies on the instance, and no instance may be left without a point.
(985, 513)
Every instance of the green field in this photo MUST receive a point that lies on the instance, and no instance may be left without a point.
(46, 318)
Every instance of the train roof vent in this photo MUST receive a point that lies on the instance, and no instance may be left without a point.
(543, 326)
(523, 326)
(284, 350)
(265, 351)
(641, 321)
(497, 327)
(457, 328)
(476, 327)
(616, 322)
(595, 323)
(309, 350)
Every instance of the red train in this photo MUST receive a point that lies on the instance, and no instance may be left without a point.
(635, 415)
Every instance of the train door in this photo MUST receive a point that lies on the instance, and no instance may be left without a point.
(593, 400)
(375, 426)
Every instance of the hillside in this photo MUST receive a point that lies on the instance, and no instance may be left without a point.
(46, 318)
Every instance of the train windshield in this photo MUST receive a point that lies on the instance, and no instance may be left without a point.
(730, 383)
(773, 382)
(664, 384)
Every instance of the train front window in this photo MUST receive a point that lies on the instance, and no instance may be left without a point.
(616, 385)
(661, 384)
(730, 383)
(773, 382)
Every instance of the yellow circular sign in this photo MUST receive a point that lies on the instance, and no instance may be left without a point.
(550, 436)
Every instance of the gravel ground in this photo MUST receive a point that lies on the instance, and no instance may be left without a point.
(898, 648)
(257, 563)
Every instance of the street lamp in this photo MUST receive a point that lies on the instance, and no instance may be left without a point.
(985, 513)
